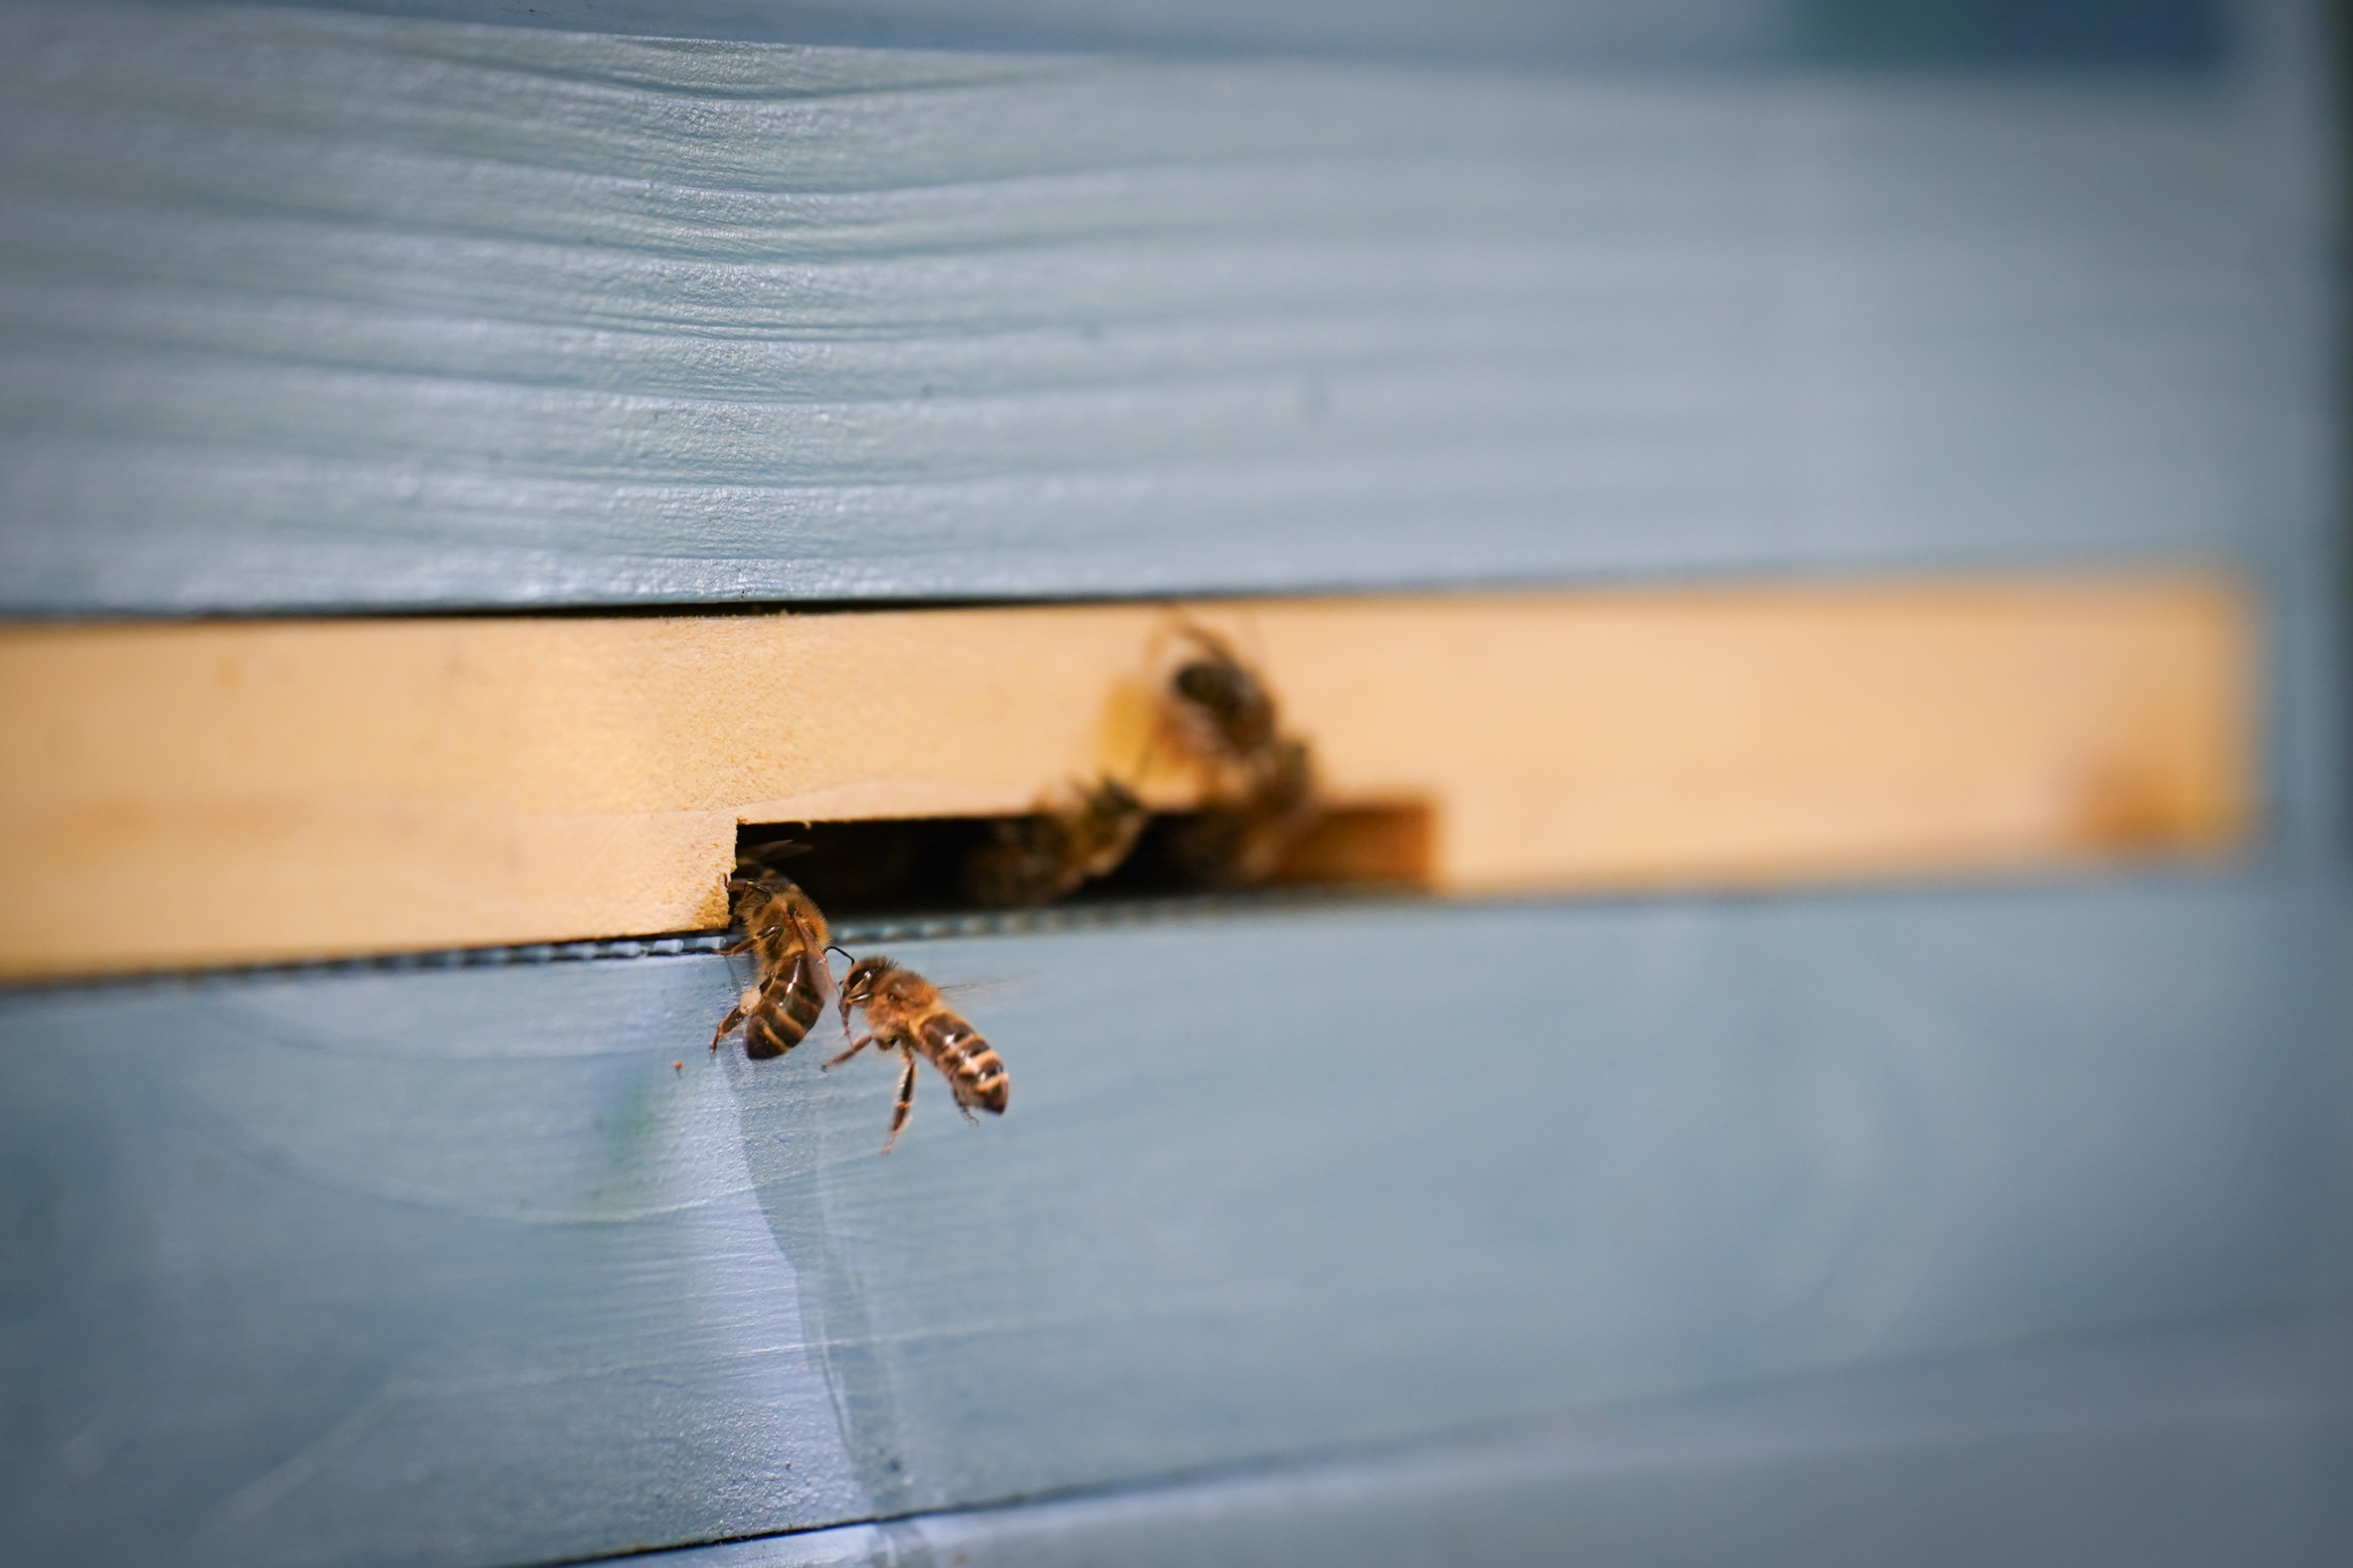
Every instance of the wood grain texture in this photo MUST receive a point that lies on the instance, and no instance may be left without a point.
(300, 310)
(455, 1266)
(298, 789)
(1693, 32)
(2166, 1449)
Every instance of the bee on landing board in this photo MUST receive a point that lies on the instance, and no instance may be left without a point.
(786, 932)
(1263, 792)
(1035, 859)
(904, 1014)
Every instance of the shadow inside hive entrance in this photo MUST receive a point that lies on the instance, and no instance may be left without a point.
(915, 864)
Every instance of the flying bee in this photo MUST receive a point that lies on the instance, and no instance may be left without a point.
(904, 1014)
(1037, 858)
(785, 933)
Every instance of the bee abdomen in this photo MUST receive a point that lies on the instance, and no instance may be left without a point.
(786, 1010)
(973, 1071)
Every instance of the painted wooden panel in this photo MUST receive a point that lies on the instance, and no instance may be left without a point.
(457, 1265)
(1689, 32)
(307, 309)
(291, 790)
(2177, 34)
(2169, 1449)
(451, 1264)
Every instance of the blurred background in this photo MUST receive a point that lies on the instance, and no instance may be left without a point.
(1806, 542)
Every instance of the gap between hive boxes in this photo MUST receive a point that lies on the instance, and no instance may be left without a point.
(888, 869)
(296, 789)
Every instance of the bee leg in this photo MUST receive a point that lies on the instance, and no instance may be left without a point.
(748, 941)
(828, 988)
(829, 991)
(906, 1103)
(855, 1047)
(733, 1017)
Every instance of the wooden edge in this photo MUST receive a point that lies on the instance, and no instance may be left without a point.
(229, 793)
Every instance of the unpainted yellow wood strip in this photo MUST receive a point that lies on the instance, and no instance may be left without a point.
(212, 792)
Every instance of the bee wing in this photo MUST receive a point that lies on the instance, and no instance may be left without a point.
(989, 988)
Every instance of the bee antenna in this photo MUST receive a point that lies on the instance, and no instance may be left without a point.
(836, 947)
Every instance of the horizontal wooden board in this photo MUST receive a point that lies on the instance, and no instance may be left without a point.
(284, 790)
(456, 1266)
(1708, 34)
(2181, 1448)
(311, 310)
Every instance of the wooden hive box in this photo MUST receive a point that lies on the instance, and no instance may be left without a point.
(1813, 1027)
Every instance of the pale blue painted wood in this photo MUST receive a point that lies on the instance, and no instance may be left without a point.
(454, 1265)
(301, 309)
(1679, 32)
(2171, 34)
(2188, 1447)
(440, 1268)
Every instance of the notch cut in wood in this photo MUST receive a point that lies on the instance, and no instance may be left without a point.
(186, 795)
(885, 867)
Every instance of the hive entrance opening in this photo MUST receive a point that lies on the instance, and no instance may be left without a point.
(918, 864)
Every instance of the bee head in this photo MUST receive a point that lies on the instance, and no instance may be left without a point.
(1215, 685)
(858, 985)
(1233, 699)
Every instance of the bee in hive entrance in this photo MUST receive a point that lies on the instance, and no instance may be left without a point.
(1219, 708)
(1222, 714)
(786, 932)
(904, 1014)
(1037, 858)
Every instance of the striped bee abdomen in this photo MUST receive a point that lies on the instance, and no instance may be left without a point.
(788, 1005)
(784, 932)
(975, 1074)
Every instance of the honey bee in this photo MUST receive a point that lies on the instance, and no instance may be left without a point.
(904, 1014)
(1037, 858)
(1263, 793)
(1238, 842)
(1220, 711)
(784, 929)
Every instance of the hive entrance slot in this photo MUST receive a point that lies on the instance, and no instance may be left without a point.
(915, 865)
